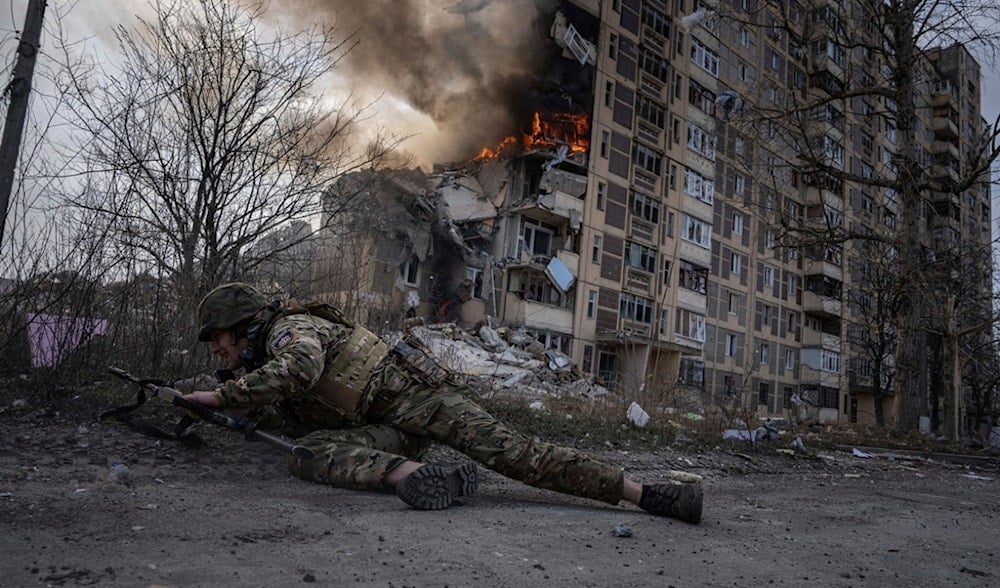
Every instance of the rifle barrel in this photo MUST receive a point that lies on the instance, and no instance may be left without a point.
(215, 417)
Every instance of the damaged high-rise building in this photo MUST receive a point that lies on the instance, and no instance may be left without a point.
(695, 208)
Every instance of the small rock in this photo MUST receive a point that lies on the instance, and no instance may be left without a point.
(622, 530)
(119, 473)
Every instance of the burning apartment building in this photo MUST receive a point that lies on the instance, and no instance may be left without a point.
(630, 216)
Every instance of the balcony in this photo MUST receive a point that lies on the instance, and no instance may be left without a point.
(536, 315)
(820, 305)
(809, 376)
(822, 267)
(944, 122)
(826, 82)
(819, 339)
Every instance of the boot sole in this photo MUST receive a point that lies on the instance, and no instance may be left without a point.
(435, 487)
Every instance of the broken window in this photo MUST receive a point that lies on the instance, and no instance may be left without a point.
(536, 239)
(693, 277)
(690, 325)
(635, 308)
(700, 141)
(409, 271)
(704, 57)
(475, 278)
(698, 186)
(697, 231)
(647, 158)
(640, 256)
(645, 207)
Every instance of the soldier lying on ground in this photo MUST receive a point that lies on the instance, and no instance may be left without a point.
(369, 412)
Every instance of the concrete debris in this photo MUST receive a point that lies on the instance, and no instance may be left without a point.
(684, 477)
(637, 416)
(622, 530)
(537, 405)
(977, 477)
(858, 453)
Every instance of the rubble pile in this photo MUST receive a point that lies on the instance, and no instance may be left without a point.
(507, 361)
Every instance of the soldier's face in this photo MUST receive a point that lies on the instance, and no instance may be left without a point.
(222, 344)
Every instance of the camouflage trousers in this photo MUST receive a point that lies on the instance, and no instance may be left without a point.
(412, 408)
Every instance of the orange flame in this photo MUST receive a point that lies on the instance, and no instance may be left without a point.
(559, 128)
(548, 129)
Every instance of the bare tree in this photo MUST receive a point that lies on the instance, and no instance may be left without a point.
(210, 133)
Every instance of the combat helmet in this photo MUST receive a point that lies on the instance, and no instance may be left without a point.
(227, 307)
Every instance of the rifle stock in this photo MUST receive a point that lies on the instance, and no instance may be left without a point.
(205, 413)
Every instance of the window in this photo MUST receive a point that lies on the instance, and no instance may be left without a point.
(740, 184)
(698, 186)
(609, 92)
(613, 46)
(409, 271)
(591, 303)
(793, 287)
(765, 353)
(646, 158)
(693, 277)
(602, 189)
(655, 20)
(653, 64)
(737, 223)
(665, 269)
(535, 239)
(768, 276)
(595, 251)
(734, 302)
(475, 277)
(704, 57)
(769, 239)
(830, 361)
(635, 308)
(640, 257)
(690, 325)
(700, 141)
(701, 97)
(730, 345)
(649, 111)
(763, 391)
(645, 207)
(768, 312)
(605, 140)
(789, 359)
(744, 37)
(735, 263)
(739, 145)
(697, 231)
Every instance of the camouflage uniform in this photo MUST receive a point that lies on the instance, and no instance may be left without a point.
(406, 401)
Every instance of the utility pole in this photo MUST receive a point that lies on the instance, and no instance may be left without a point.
(18, 90)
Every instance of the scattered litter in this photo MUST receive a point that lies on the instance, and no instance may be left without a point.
(537, 405)
(138, 528)
(637, 416)
(6, 494)
(788, 452)
(158, 481)
(622, 530)
(852, 475)
(858, 453)
(79, 490)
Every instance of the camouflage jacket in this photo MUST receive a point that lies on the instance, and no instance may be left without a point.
(315, 375)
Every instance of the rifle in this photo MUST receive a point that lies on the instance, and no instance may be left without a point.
(243, 424)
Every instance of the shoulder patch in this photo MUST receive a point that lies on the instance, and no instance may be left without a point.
(282, 338)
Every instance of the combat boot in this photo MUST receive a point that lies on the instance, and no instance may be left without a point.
(678, 501)
(434, 487)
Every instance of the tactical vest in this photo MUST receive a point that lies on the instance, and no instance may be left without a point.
(348, 367)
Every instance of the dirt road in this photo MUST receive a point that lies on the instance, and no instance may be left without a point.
(230, 515)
